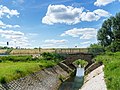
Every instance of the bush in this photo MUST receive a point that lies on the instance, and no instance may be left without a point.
(16, 58)
(0, 61)
(96, 49)
(83, 63)
(2, 80)
(114, 47)
(52, 56)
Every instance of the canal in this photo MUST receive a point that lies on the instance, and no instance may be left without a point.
(74, 82)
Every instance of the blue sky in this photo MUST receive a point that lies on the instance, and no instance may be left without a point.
(53, 23)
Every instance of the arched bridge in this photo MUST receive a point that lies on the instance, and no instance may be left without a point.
(71, 57)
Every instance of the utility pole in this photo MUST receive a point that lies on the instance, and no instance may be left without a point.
(7, 43)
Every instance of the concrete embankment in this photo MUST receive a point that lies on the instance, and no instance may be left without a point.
(95, 79)
(46, 79)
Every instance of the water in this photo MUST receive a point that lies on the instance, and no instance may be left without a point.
(3, 55)
(75, 82)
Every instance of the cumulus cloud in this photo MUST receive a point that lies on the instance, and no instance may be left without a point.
(71, 15)
(102, 13)
(62, 14)
(14, 37)
(95, 15)
(103, 2)
(89, 16)
(83, 33)
(5, 11)
(10, 32)
(3, 25)
(3, 43)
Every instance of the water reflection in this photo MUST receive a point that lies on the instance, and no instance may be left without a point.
(74, 83)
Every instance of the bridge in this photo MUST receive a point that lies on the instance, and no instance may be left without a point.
(51, 50)
(71, 54)
(70, 58)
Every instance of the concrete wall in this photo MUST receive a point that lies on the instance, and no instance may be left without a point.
(46, 79)
(58, 50)
(92, 67)
(70, 58)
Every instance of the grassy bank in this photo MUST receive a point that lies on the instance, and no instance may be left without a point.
(111, 62)
(14, 67)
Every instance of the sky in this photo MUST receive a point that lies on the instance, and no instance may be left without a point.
(53, 23)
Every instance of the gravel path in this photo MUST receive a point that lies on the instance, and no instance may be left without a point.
(95, 80)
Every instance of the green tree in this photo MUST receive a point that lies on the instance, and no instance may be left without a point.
(109, 34)
(96, 49)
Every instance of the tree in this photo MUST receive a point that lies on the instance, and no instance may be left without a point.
(96, 49)
(109, 33)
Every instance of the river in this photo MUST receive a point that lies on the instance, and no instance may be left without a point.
(74, 82)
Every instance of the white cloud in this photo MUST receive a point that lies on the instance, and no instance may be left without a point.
(20, 1)
(71, 15)
(3, 25)
(3, 43)
(103, 2)
(102, 13)
(84, 43)
(32, 34)
(62, 14)
(53, 46)
(89, 16)
(53, 41)
(17, 2)
(83, 33)
(5, 11)
(11, 32)
(95, 15)
(16, 38)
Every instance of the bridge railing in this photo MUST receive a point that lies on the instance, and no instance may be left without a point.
(71, 50)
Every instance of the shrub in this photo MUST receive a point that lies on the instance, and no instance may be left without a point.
(47, 55)
(0, 61)
(83, 63)
(114, 46)
(96, 49)
(52, 56)
(16, 58)
(2, 80)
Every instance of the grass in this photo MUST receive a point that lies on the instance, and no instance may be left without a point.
(14, 70)
(14, 67)
(83, 63)
(111, 62)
